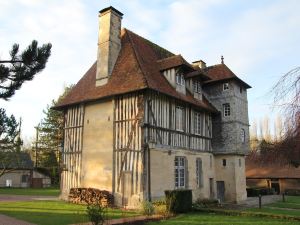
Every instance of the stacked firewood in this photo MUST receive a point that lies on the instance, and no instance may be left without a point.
(91, 196)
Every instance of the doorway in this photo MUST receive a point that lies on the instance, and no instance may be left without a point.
(221, 191)
(126, 187)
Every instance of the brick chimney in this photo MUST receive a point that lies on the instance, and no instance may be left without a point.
(109, 43)
(200, 63)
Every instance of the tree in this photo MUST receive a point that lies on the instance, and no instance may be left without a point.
(10, 143)
(51, 138)
(22, 67)
(13, 73)
(287, 99)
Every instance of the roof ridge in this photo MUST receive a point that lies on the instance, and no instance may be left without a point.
(173, 56)
(152, 43)
(128, 32)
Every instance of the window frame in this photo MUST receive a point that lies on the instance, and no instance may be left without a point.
(226, 110)
(225, 86)
(180, 172)
(198, 123)
(197, 86)
(179, 123)
(224, 162)
(199, 172)
(243, 135)
(179, 77)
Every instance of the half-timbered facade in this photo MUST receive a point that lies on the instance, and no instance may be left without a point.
(143, 120)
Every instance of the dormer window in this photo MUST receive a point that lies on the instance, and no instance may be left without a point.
(180, 79)
(197, 86)
(225, 86)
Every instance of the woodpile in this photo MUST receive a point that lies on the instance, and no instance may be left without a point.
(91, 196)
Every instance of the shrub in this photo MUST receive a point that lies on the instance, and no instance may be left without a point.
(206, 203)
(178, 201)
(147, 208)
(254, 192)
(96, 214)
(162, 210)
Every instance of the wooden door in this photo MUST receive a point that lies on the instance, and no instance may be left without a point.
(221, 191)
(126, 187)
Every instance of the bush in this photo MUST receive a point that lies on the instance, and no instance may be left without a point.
(255, 192)
(96, 214)
(295, 192)
(147, 208)
(205, 203)
(178, 201)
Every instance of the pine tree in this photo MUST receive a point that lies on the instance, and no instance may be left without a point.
(22, 67)
(14, 72)
(10, 143)
(51, 138)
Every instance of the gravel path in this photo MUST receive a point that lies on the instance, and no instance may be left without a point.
(17, 198)
(6, 220)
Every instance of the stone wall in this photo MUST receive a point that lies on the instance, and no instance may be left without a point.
(233, 175)
(98, 146)
(163, 177)
(227, 130)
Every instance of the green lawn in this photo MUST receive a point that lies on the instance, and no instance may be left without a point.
(290, 207)
(30, 191)
(215, 219)
(53, 212)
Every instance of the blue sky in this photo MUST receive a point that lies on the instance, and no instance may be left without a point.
(259, 40)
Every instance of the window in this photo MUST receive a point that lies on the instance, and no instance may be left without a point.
(179, 118)
(180, 79)
(225, 86)
(241, 89)
(226, 109)
(199, 174)
(197, 86)
(243, 136)
(198, 123)
(24, 178)
(224, 162)
(210, 161)
(180, 172)
(240, 163)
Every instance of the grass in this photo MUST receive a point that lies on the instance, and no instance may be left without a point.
(215, 219)
(290, 207)
(53, 212)
(30, 191)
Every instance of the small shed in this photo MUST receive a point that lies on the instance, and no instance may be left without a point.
(24, 175)
(274, 175)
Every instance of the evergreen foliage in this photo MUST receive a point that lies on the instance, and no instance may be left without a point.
(22, 67)
(51, 138)
(10, 142)
(179, 201)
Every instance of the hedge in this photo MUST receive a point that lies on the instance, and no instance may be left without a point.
(254, 192)
(294, 192)
(178, 201)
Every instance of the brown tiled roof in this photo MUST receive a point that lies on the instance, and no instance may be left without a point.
(173, 61)
(256, 170)
(136, 68)
(198, 73)
(221, 72)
